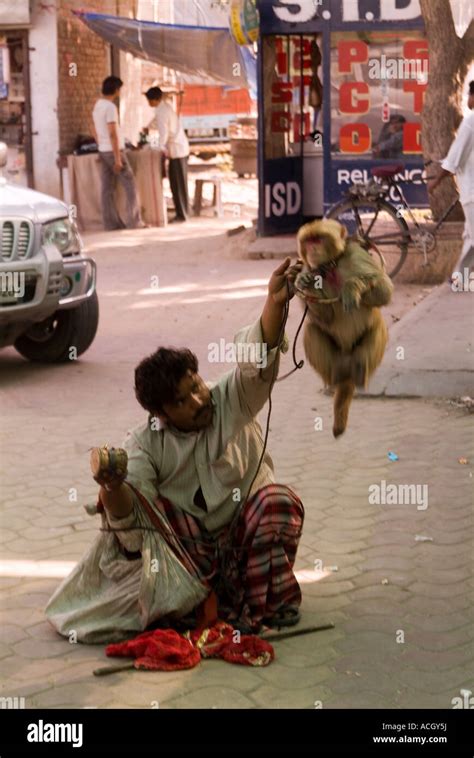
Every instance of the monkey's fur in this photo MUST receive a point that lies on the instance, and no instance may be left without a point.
(344, 341)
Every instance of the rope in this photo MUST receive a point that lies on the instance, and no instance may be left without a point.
(182, 538)
(224, 582)
(298, 364)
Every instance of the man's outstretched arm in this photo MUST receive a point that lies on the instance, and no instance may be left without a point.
(249, 386)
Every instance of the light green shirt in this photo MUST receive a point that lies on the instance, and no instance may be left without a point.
(222, 458)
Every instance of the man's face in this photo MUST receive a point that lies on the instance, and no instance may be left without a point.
(192, 409)
(470, 102)
(153, 103)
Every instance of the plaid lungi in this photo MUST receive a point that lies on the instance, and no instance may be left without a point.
(250, 569)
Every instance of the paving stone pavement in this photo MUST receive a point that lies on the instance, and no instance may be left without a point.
(402, 607)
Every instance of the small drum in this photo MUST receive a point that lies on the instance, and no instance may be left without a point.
(109, 464)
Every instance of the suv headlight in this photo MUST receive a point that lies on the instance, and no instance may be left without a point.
(63, 234)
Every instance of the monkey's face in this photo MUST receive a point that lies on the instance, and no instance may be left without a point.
(321, 242)
(318, 250)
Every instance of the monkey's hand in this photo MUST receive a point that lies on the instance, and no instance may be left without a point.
(350, 299)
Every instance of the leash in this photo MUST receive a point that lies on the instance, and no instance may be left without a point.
(223, 582)
(298, 365)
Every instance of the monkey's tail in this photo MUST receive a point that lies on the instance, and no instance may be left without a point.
(342, 403)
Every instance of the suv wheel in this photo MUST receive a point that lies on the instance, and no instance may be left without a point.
(50, 340)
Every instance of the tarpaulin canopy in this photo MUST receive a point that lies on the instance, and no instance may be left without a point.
(208, 52)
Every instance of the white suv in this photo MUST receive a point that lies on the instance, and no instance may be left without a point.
(48, 301)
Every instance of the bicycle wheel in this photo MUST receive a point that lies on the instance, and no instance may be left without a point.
(376, 221)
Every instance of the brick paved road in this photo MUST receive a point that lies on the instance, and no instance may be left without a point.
(402, 607)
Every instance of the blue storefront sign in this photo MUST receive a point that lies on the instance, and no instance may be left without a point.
(341, 87)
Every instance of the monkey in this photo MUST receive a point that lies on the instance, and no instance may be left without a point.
(344, 339)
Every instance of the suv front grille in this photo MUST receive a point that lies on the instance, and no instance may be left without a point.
(54, 283)
(16, 239)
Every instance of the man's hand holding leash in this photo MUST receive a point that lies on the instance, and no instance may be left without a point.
(280, 290)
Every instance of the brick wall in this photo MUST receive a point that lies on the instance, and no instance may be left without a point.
(79, 45)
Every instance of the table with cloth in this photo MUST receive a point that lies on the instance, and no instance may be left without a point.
(85, 188)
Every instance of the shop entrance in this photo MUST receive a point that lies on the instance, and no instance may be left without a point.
(292, 129)
(15, 114)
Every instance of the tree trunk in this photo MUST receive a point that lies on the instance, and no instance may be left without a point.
(449, 59)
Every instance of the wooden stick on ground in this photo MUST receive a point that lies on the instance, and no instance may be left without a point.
(274, 636)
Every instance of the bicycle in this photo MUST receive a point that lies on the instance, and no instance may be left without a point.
(367, 212)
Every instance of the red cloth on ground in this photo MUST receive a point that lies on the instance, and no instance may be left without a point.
(159, 650)
(167, 650)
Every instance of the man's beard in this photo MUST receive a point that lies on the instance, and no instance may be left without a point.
(204, 413)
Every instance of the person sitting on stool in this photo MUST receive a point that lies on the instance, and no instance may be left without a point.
(174, 143)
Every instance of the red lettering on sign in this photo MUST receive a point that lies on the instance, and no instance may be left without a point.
(307, 78)
(415, 49)
(281, 63)
(355, 138)
(412, 138)
(304, 52)
(418, 94)
(281, 121)
(299, 131)
(349, 52)
(298, 65)
(282, 92)
(304, 43)
(354, 97)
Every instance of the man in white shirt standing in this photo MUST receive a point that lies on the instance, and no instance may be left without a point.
(113, 160)
(173, 141)
(460, 161)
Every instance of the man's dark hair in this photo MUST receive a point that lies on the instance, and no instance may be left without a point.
(111, 85)
(154, 93)
(471, 87)
(157, 377)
